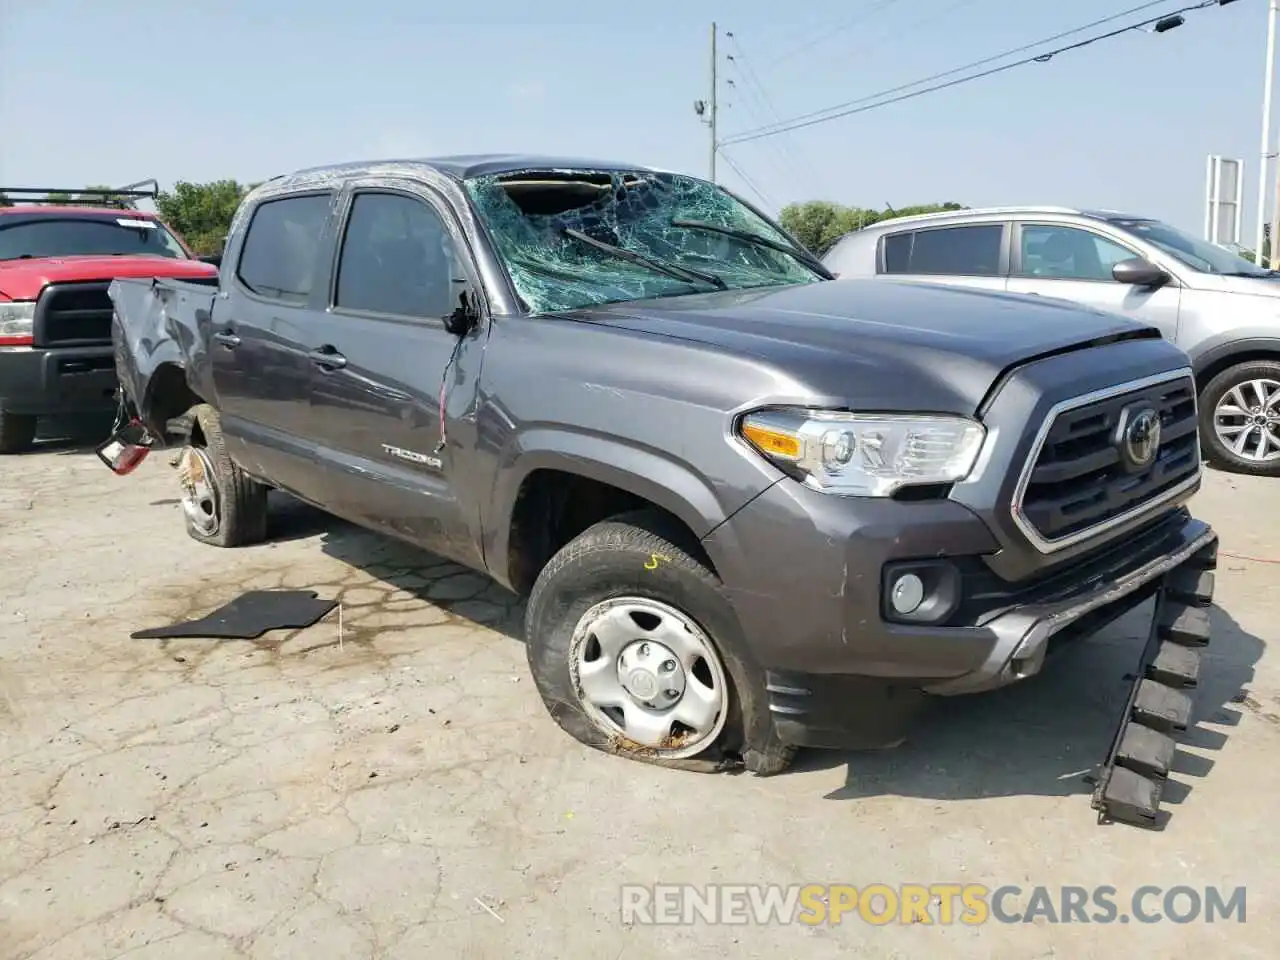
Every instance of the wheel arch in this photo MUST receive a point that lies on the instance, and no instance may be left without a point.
(563, 482)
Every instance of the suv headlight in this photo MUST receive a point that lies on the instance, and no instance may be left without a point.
(865, 455)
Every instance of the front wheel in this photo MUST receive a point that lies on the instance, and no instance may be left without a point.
(634, 649)
(1240, 418)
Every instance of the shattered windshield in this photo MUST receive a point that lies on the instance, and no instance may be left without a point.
(646, 235)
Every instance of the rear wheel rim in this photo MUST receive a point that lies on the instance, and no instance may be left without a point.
(1246, 420)
(648, 676)
(199, 498)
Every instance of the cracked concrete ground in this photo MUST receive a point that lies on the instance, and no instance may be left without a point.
(399, 792)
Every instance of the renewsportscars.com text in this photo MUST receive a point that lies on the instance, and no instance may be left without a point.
(936, 903)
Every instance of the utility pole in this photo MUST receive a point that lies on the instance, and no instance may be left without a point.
(714, 104)
(1264, 183)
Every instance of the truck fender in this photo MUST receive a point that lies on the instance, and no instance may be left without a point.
(642, 471)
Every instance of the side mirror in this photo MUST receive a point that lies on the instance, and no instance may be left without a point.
(1138, 272)
(213, 258)
(464, 317)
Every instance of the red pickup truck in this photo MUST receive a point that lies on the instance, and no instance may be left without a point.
(56, 261)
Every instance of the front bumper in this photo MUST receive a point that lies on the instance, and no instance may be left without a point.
(57, 381)
(1022, 636)
(804, 571)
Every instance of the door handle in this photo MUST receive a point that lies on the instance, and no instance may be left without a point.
(227, 339)
(327, 358)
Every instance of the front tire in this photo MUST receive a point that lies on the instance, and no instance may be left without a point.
(17, 432)
(1240, 418)
(635, 650)
(221, 504)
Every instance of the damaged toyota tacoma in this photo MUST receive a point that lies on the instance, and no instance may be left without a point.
(752, 507)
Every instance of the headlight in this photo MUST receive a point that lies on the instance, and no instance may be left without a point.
(17, 323)
(865, 455)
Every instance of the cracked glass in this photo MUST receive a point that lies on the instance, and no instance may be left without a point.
(527, 214)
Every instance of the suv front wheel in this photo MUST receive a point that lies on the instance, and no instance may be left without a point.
(1240, 418)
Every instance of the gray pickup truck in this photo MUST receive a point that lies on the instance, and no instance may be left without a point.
(752, 507)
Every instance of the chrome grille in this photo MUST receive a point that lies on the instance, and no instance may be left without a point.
(1083, 477)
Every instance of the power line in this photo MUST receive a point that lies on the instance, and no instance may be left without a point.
(790, 156)
(827, 35)
(747, 180)
(851, 107)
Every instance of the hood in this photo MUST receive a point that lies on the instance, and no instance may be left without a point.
(1249, 286)
(24, 279)
(891, 345)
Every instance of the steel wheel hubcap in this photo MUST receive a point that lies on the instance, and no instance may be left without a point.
(199, 495)
(648, 674)
(1247, 420)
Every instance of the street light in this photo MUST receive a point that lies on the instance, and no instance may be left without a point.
(1266, 153)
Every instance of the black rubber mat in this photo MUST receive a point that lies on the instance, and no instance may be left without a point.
(249, 616)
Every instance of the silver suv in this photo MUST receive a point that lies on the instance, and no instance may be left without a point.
(1221, 309)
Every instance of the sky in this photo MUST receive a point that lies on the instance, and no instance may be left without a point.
(112, 91)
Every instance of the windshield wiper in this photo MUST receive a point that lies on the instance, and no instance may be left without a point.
(1263, 274)
(808, 259)
(658, 266)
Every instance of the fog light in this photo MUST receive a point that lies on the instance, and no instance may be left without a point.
(907, 593)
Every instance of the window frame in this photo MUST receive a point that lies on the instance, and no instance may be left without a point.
(417, 192)
(1015, 263)
(1002, 267)
(242, 285)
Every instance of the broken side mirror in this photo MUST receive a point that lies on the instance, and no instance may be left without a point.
(464, 317)
(125, 449)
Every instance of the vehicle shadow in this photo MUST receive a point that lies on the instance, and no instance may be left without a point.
(1042, 737)
(1045, 737)
(70, 436)
(451, 587)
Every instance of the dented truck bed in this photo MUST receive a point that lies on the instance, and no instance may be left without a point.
(160, 332)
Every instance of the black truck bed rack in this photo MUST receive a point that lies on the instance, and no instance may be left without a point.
(124, 198)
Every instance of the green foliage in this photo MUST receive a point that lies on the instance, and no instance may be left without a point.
(202, 212)
(5, 201)
(59, 196)
(820, 223)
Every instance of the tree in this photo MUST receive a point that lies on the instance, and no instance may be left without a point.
(5, 201)
(202, 212)
(820, 223)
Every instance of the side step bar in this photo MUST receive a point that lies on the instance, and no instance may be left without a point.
(1158, 708)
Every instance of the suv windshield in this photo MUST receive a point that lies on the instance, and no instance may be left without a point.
(1195, 253)
(646, 235)
(72, 236)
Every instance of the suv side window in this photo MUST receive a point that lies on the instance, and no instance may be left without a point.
(280, 252)
(397, 258)
(965, 251)
(1051, 252)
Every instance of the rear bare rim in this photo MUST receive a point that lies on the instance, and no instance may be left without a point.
(221, 504)
(1240, 418)
(648, 673)
(199, 500)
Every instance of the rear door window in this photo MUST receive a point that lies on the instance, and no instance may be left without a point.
(963, 251)
(281, 252)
